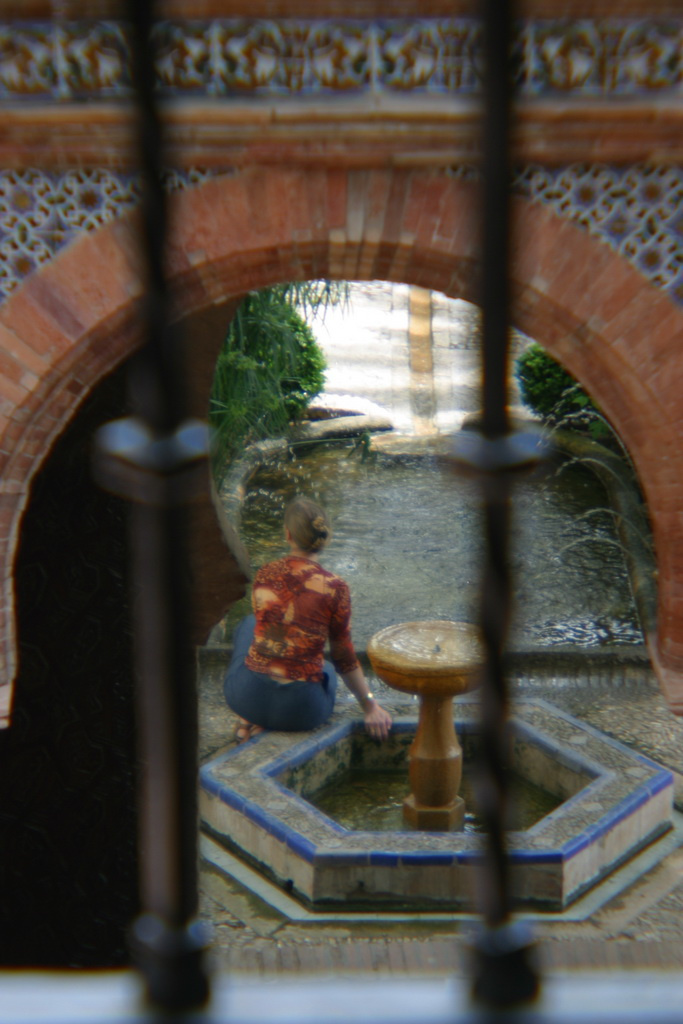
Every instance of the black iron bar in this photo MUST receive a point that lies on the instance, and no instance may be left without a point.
(495, 594)
(503, 972)
(495, 215)
(155, 458)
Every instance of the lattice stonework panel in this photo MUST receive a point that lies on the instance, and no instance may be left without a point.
(63, 61)
(638, 211)
(41, 211)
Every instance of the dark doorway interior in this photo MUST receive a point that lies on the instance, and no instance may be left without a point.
(67, 764)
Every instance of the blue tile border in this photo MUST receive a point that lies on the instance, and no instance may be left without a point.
(536, 857)
(384, 858)
(569, 804)
(596, 734)
(424, 858)
(308, 748)
(442, 854)
(312, 810)
(662, 780)
(341, 858)
(566, 756)
(296, 842)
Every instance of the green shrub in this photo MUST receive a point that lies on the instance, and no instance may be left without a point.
(554, 395)
(269, 369)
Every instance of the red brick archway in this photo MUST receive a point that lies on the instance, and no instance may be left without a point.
(75, 319)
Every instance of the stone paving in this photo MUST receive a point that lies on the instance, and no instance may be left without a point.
(640, 927)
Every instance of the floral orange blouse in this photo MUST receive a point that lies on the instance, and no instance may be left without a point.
(299, 605)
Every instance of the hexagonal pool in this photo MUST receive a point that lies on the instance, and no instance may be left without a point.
(600, 803)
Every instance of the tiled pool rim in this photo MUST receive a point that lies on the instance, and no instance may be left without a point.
(626, 805)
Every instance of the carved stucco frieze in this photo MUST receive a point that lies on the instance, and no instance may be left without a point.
(66, 61)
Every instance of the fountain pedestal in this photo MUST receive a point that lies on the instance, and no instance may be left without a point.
(435, 660)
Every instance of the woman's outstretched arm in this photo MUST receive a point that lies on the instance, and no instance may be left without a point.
(377, 720)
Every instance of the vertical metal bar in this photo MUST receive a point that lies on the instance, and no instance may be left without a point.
(495, 594)
(503, 973)
(168, 945)
(496, 181)
(156, 388)
(152, 458)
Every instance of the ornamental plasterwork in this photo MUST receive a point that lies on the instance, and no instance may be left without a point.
(40, 211)
(64, 61)
(637, 211)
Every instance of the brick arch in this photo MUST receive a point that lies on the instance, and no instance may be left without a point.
(75, 319)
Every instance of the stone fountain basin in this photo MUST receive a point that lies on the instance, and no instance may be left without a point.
(404, 656)
(615, 802)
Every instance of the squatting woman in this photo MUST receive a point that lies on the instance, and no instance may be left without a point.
(278, 678)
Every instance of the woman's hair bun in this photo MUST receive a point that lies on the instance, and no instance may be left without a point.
(308, 524)
(320, 527)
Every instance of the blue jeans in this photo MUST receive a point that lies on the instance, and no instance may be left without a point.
(290, 707)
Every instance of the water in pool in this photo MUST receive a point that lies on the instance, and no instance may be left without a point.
(407, 538)
(372, 801)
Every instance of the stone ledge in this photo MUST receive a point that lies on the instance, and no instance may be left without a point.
(421, 131)
(340, 427)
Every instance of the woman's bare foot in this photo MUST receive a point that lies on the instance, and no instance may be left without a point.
(246, 731)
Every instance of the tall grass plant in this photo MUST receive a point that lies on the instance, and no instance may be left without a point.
(270, 366)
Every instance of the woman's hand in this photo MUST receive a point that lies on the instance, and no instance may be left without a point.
(377, 720)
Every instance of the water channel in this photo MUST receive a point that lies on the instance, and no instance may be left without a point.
(407, 538)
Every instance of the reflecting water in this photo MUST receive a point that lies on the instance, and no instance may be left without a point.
(372, 801)
(407, 538)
